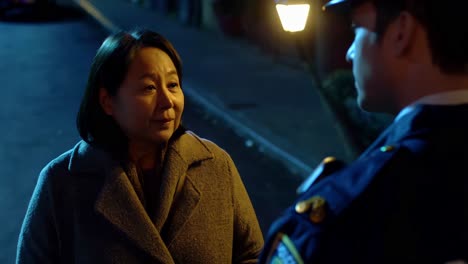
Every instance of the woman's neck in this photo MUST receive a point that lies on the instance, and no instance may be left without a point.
(147, 156)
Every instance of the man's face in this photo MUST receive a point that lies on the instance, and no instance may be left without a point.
(367, 56)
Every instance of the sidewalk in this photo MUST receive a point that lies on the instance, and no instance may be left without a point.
(273, 106)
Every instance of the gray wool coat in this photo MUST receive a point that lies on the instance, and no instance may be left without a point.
(85, 209)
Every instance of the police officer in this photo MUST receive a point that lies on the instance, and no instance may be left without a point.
(405, 199)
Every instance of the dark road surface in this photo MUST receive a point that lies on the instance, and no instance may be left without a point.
(43, 71)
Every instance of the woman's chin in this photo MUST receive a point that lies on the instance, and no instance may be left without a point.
(162, 137)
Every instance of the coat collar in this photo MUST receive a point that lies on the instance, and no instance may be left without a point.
(118, 201)
(188, 151)
(89, 159)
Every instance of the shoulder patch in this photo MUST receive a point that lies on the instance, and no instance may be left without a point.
(283, 251)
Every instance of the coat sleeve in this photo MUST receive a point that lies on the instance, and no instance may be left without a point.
(38, 240)
(248, 238)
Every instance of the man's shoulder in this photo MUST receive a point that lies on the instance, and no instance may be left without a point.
(339, 185)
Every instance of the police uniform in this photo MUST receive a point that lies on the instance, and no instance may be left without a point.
(404, 200)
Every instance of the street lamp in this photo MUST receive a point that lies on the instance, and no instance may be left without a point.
(293, 14)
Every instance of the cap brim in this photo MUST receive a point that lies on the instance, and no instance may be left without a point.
(339, 6)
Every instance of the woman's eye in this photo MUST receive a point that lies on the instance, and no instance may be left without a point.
(173, 85)
(150, 87)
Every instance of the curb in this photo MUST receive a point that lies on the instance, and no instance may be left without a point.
(293, 164)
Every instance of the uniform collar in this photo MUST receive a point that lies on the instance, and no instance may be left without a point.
(445, 98)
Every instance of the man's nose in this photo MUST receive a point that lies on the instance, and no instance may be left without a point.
(350, 53)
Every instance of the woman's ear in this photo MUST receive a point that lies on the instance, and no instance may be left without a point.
(105, 100)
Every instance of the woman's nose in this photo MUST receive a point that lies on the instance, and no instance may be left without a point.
(165, 98)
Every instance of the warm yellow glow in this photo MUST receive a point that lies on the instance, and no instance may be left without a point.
(293, 17)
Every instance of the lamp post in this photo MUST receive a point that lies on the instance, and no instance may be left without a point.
(293, 15)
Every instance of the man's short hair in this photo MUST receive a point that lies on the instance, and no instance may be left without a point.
(445, 23)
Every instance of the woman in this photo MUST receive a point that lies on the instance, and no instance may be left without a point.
(138, 188)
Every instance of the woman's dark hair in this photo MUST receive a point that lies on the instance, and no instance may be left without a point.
(445, 23)
(108, 70)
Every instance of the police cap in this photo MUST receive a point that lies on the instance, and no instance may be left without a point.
(341, 6)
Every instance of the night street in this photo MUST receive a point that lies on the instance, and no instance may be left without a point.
(43, 71)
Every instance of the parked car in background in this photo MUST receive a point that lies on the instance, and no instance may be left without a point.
(5, 4)
(26, 9)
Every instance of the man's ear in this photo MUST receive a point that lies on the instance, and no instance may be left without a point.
(105, 100)
(403, 31)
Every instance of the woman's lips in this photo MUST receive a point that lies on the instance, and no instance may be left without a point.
(164, 120)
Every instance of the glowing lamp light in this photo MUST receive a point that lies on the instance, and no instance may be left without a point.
(293, 16)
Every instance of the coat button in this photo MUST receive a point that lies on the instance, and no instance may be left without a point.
(387, 148)
(315, 206)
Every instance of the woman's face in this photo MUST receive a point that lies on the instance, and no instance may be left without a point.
(148, 105)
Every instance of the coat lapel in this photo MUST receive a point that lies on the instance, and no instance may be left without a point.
(174, 169)
(173, 213)
(120, 205)
(118, 202)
